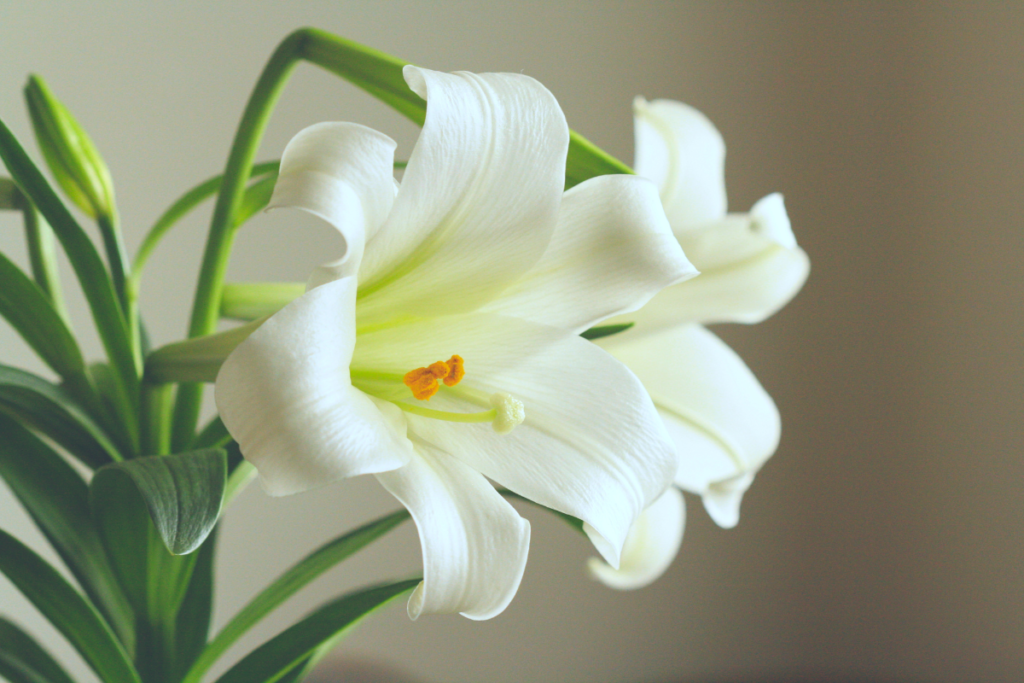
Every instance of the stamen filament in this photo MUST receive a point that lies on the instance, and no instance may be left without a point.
(448, 416)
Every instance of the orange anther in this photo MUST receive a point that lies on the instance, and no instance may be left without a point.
(423, 381)
(456, 371)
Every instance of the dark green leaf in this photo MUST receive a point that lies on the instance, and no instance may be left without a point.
(29, 311)
(213, 435)
(183, 493)
(289, 583)
(274, 659)
(54, 412)
(605, 331)
(58, 500)
(141, 507)
(92, 274)
(193, 621)
(69, 612)
(22, 660)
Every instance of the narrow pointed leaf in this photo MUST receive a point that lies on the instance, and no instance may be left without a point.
(193, 621)
(146, 508)
(183, 493)
(57, 499)
(52, 411)
(92, 274)
(274, 659)
(29, 311)
(20, 653)
(67, 610)
(289, 583)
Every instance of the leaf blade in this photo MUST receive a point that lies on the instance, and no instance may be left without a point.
(67, 610)
(56, 498)
(289, 583)
(280, 655)
(54, 412)
(20, 652)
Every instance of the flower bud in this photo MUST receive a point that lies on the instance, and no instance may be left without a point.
(73, 159)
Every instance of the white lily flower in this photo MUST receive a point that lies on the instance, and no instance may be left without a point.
(442, 349)
(724, 424)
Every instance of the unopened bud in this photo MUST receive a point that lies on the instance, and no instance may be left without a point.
(73, 159)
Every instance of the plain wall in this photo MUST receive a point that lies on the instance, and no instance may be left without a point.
(884, 541)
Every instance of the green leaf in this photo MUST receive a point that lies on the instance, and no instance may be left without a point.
(69, 612)
(57, 499)
(213, 435)
(52, 411)
(192, 625)
(96, 284)
(605, 331)
(29, 311)
(183, 493)
(276, 658)
(143, 508)
(196, 360)
(289, 583)
(22, 660)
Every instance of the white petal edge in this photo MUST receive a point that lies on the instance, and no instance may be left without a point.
(723, 423)
(679, 149)
(474, 543)
(478, 199)
(651, 546)
(342, 173)
(612, 250)
(592, 444)
(285, 395)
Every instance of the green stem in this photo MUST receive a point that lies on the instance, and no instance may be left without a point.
(155, 434)
(42, 254)
(337, 55)
(117, 256)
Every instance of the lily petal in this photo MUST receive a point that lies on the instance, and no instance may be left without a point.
(750, 268)
(342, 173)
(683, 153)
(478, 200)
(474, 543)
(592, 444)
(285, 395)
(650, 547)
(612, 250)
(724, 424)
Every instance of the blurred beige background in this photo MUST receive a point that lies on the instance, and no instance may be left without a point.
(885, 540)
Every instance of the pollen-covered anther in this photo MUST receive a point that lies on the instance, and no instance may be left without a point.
(510, 412)
(456, 371)
(424, 381)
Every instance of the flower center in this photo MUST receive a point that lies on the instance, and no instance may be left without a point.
(423, 381)
(505, 413)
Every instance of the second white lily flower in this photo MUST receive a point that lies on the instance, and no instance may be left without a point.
(442, 349)
(724, 424)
